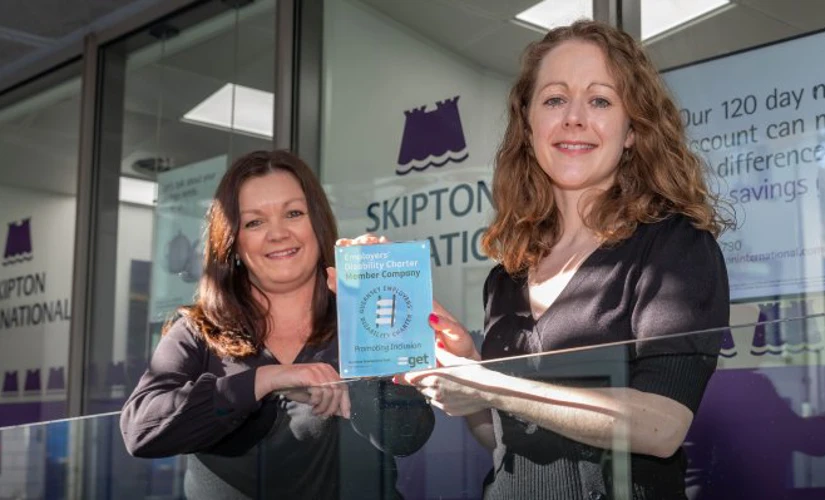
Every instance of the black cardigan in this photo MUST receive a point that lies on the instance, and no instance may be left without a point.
(667, 278)
(191, 401)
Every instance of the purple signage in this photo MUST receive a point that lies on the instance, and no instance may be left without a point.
(57, 379)
(749, 440)
(782, 328)
(32, 380)
(432, 138)
(10, 383)
(115, 374)
(18, 243)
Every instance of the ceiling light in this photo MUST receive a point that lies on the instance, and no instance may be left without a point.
(551, 13)
(253, 110)
(137, 191)
(659, 16)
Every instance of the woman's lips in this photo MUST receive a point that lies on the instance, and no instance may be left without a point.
(283, 254)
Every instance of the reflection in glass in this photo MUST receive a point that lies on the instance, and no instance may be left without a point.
(38, 183)
(168, 165)
(759, 432)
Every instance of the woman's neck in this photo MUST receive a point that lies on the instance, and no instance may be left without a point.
(573, 229)
(290, 312)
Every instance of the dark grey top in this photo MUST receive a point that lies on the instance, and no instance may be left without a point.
(192, 401)
(667, 278)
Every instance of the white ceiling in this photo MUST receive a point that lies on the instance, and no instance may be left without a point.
(39, 136)
(38, 139)
(483, 31)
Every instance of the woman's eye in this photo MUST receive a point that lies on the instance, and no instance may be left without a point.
(600, 102)
(554, 102)
(294, 213)
(252, 223)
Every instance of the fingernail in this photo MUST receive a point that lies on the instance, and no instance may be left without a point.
(433, 318)
(395, 379)
(440, 344)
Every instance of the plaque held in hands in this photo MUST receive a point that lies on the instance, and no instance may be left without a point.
(385, 296)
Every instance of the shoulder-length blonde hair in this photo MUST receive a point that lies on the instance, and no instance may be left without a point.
(658, 176)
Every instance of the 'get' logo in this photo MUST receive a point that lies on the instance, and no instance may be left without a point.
(414, 361)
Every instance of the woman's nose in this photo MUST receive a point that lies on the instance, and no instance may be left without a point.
(574, 115)
(276, 231)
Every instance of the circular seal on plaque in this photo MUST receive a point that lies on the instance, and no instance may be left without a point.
(385, 312)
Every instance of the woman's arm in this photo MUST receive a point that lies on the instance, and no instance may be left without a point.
(626, 418)
(177, 407)
(682, 287)
(607, 418)
(481, 426)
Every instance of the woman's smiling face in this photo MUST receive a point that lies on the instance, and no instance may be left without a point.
(276, 241)
(579, 126)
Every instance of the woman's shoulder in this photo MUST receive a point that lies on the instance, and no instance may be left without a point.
(499, 281)
(675, 231)
(674, 223)
(498, 274)
(181, 330)
(677, 246)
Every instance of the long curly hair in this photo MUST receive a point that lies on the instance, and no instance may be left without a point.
(657, 177)
(225, 313)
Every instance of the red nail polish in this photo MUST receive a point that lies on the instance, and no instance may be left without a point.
(440, 344)
(433, 318)
(395, 379)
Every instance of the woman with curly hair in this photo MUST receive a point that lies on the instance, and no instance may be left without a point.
(604, 231)
(244, 379)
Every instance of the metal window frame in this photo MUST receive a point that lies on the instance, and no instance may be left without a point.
(307, 83)
(285, 48)
(624, 14)
(298, 78)
(630, 17)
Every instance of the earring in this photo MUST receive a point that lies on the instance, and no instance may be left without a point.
(626, 154)
(237, 261)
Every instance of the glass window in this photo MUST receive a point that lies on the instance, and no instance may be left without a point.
(427, 84)
(38, 183)
(180, 101)
(428, 89)
(754, 106)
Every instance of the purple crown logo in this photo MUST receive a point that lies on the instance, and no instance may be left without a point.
(781, 328)
(18, 243)
(432, 138)
(10, 382)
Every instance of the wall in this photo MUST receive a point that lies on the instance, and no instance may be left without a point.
(375, 71)
(135, 223)
(41, 342)
(35, 277)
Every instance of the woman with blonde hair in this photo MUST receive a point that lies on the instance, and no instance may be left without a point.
(604, 230)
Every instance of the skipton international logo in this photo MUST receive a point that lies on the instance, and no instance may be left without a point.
(783, 328)
(18, 243)
(432, 138)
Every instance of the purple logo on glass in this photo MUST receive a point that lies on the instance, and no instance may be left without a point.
(432, 138)
(781, 329)
(18, 243)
